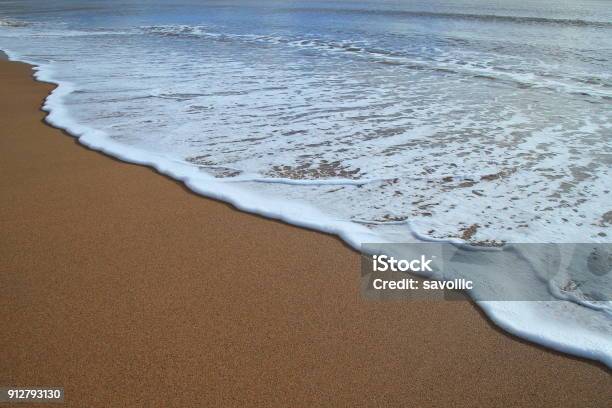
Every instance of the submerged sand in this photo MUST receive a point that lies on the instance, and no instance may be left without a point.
(127, 290)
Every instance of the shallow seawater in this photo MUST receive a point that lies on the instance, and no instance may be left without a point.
(484, 121)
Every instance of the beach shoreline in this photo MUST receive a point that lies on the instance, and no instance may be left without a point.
(123, 288)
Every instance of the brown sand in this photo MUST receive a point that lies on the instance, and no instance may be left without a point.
(122, 287)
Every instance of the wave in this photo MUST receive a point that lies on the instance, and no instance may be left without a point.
(12, 23)
(43, 30)
(463, 65)
(462, 16)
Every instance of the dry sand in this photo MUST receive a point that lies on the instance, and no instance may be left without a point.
(121, 286)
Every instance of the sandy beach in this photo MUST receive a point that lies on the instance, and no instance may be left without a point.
(126, 289)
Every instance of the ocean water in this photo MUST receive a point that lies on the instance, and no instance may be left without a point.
(378, 121)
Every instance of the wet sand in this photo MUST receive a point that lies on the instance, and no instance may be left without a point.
(127, 290)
